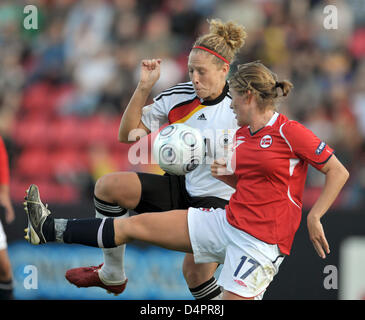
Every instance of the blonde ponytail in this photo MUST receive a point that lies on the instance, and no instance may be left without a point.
(225, 39)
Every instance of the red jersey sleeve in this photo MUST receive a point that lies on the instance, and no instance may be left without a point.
(305, 144)
(4, 164)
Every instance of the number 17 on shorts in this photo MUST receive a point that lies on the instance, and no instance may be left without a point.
(251, 264)
(250, 278)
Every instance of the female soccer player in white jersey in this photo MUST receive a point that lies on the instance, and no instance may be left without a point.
(255, 231)
(203, 103)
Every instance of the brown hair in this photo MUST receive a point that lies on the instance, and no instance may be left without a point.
(223, 38)
(261, 81)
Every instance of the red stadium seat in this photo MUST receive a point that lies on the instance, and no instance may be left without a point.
(66, 132)
(33, 164)
(45, 98)
(95, 130)
(111, 132)
(31, 132)
(36, 98)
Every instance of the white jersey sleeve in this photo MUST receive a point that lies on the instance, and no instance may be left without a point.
(156, 114)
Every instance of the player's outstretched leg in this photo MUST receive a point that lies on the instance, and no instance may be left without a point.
(42, 229)
(114, 193)
(111, 272)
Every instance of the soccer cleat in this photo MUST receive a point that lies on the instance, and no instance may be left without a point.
(37, 213)
(85, 277)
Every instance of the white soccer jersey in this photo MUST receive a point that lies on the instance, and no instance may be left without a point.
(214, 119)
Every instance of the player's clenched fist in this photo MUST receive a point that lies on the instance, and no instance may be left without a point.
(150, 72)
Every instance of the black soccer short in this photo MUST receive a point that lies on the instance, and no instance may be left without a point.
(168, 192)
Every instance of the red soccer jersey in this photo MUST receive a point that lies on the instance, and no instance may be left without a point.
(4, 165)
(271, 167)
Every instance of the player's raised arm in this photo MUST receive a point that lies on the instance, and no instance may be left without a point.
(131, 127)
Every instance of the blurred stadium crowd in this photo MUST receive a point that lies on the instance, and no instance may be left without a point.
(63, 87)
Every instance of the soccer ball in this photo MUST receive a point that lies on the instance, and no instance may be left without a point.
(179, 149)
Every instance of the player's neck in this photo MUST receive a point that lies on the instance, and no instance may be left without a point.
(260, 120)
(218, 93)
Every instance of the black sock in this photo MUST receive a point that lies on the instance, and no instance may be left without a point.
(206, 291)
(6, 290)
(90, 232)
(48, 229)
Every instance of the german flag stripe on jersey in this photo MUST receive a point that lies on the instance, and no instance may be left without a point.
(182, 112)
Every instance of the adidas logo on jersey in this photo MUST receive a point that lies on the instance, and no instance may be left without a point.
(202, 117)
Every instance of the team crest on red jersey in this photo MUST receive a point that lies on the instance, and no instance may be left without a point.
(266, 141)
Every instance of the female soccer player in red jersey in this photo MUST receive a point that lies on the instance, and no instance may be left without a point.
(6, 282)
(255, 231)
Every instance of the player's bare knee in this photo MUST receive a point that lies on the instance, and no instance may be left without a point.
(101, 188)
(120, 188)
(109, 188)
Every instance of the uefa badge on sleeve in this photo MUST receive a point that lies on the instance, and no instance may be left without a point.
(320, 148)
(266, 141)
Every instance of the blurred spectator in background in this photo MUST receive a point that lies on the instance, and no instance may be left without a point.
(6, 281)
